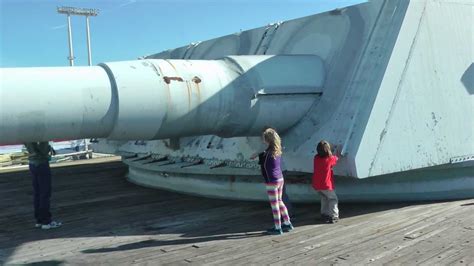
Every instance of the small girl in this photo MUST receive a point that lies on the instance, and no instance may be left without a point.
(323, 181)
(273, 175)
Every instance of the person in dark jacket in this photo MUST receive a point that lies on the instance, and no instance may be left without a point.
(271, 170)
(38, 157)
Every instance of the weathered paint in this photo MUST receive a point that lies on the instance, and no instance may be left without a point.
(139, 102)
(396, 97)
(391, 72)
(393, 89)
(233, 183)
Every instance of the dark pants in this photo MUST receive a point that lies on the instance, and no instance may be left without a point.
(287, 202)
(42, 192)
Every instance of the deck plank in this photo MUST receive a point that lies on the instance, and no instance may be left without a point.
(109, 220)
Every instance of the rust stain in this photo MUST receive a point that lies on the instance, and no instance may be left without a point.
(196, 81)
(169, 97)
(169, 79)
(198, 92)
(189, 95)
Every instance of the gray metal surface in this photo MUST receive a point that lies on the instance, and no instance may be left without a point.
(397, 97)
(388, 81)
(393, 96)
(157, 99)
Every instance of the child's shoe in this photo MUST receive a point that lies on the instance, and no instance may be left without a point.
(287, 228)
(275, 231)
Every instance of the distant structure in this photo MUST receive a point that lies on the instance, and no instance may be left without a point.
(87, 12)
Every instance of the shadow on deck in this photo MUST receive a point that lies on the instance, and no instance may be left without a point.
(107, 219)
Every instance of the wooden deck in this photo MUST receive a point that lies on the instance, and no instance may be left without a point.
(110, 221)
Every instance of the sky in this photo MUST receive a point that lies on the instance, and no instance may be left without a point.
(33, 34)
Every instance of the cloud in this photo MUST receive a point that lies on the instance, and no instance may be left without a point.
(128, 2)
(58, 27)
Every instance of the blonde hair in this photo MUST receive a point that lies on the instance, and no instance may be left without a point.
(273, 140)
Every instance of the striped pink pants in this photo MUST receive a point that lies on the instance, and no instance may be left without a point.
(274, 191)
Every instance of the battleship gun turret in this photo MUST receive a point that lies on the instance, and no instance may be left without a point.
(391, 82)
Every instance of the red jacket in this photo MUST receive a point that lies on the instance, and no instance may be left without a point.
(323, 175)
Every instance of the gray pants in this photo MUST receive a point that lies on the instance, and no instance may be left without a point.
(329, 203)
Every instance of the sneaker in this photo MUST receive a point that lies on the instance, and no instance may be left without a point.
(51, 225)
(275, 231)
(325, 217)
(292, 219)
(287, 228)
(332, 220)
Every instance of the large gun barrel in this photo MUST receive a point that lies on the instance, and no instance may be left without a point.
(156, 98)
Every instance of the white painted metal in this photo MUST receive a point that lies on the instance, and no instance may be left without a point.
(398, 95)
(157, 99)
(233, 183)
(422, 114)
(54, 103)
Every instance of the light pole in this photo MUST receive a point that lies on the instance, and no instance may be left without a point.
(89, 56)
(69, 33)
(87, 12)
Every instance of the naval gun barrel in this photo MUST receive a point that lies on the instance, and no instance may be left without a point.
(157, 98)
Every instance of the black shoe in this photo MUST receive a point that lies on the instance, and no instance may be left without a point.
(332, 220)
(287, 228)
(325, 217)
(274, 231)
